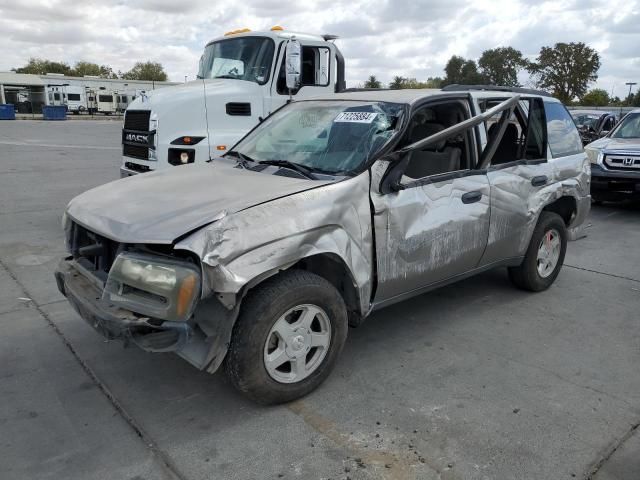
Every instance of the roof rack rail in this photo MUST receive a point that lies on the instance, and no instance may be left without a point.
(494, 88)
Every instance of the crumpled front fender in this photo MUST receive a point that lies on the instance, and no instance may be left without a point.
(242, 249)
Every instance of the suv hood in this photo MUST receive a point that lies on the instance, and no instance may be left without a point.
(161, 206)
(606, 143)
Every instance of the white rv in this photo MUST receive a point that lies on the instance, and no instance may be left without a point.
(76, 99)
(241, 80)
(101, 101)
(56, 95)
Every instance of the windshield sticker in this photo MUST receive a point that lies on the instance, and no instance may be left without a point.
(355, 117)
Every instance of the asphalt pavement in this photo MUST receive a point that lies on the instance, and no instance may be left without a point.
(477, 380)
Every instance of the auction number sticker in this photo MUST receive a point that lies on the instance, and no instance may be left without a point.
(355, 117)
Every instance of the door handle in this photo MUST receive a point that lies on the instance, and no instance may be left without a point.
(471, 197)
(539, 181)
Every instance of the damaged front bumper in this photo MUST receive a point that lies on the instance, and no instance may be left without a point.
(203, 340)
(112, 322)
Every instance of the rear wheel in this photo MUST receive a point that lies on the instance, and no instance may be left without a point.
(287, 338)
(545, 255)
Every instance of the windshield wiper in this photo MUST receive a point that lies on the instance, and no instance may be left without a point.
(291, 166)
(242, 158)
(233, 77)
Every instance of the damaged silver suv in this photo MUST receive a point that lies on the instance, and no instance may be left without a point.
(327, 211)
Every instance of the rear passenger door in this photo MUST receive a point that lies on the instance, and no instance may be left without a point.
(518, 175)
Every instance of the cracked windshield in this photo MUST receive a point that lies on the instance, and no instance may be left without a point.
(333, 137)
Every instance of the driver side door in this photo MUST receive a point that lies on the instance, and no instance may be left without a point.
(435, 227)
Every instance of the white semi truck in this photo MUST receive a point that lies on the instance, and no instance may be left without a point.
(242, 79)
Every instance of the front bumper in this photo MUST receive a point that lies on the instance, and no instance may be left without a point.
(613, 181)
(85, 296)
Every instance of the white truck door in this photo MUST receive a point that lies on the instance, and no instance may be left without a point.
(318, 75)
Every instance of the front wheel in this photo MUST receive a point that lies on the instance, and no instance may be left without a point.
(287, 338)
(545, 254)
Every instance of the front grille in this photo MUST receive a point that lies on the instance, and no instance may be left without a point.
(629, 162)
(135, 151)
(239, 109)
(137, 120)
(136, 167)
(94, 252)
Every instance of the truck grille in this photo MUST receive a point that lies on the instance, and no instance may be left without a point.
(94, 252)
(135, 151)
(628, 162)
(137, 120)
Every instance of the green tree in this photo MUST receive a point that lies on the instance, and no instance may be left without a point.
(636, 100)
(40, 66)
(500, 66)
(567, 69)
(596, 98)
(397, 83)
(434, 82)
(462, 71)
(372, 82)
(146, 71)
(83, 68)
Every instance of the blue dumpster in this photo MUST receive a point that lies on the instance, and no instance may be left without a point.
(7, 111)
(54, 112)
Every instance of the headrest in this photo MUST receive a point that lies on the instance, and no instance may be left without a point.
(425, 130)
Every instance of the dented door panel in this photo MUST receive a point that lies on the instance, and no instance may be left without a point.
(426, 234)
(515, 206)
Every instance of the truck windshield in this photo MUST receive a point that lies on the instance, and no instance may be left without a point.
(243, 58)
(629, 127)
(328, 136)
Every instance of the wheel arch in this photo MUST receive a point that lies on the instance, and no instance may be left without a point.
(565, 206)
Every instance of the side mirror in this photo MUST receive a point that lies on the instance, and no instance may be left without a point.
(293, 63)
(604, 133)
(391, 181)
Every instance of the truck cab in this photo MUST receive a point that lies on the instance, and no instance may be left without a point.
(241, 80)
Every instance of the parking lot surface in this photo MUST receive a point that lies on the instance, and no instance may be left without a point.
(476, 380)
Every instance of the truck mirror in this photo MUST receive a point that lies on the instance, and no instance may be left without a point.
(293, 62)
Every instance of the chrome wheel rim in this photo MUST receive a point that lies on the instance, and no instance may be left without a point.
(297, 343)
(548, 253)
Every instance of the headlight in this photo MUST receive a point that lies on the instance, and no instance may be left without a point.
(157, 287)
(593, 154)
(66, 227)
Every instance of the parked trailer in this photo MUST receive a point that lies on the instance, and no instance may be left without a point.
(76, 99)
(101, 101)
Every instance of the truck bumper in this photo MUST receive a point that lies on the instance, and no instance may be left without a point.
(614, 181)
(85, 296)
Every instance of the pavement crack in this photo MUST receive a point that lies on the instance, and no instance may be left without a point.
(602, 273)
(609, 451)
(564, 379)
(163, 458)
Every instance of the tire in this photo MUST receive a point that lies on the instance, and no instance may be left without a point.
(528, 275)
(256, 337)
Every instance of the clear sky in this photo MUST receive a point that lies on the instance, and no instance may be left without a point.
(412, 38)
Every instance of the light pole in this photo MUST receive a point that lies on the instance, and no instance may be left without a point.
(185, 79)
(631, 84)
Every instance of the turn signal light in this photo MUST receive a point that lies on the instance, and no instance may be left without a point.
(276, 28)
(221, 147)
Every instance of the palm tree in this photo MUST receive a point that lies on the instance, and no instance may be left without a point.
(372, 82)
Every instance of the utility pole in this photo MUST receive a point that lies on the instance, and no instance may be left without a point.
(631, 84)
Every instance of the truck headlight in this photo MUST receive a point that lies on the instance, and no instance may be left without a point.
(157, 287)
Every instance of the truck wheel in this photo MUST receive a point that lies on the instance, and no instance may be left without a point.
(287, 338)
(545, 254)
